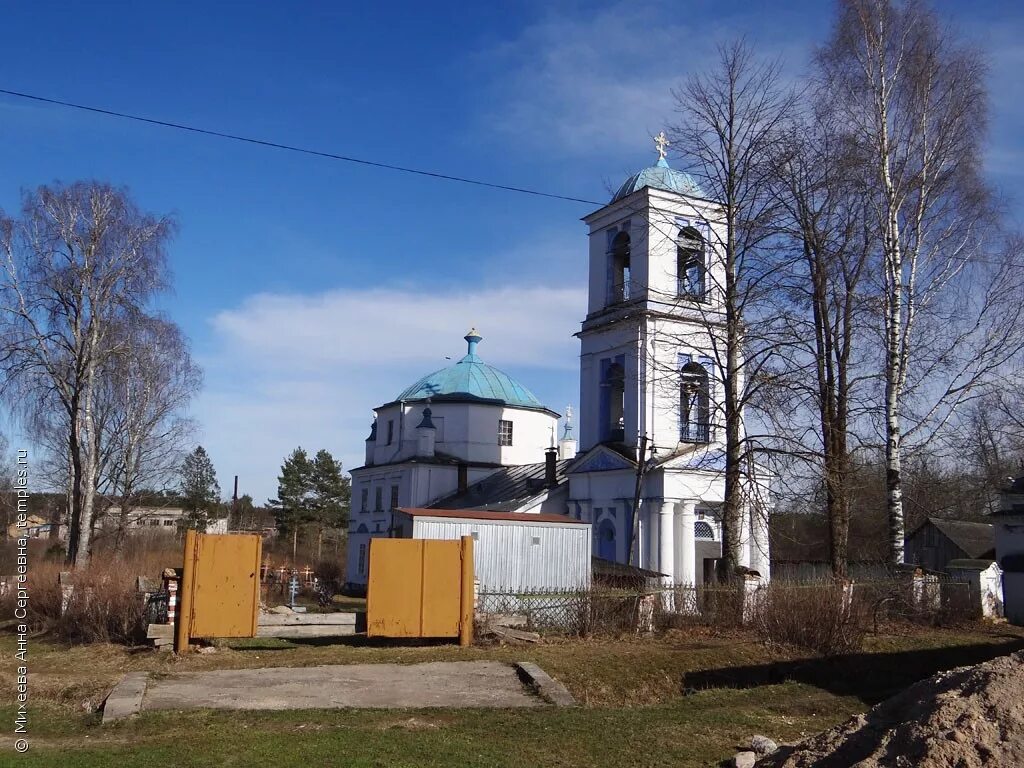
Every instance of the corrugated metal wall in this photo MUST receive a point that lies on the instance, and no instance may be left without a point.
(513, 556)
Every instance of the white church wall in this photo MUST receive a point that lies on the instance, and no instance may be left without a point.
(709, 487)
(470, 432)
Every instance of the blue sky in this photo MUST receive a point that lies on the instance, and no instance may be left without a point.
(313, 290)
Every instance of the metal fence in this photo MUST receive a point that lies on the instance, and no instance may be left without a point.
(930, 600)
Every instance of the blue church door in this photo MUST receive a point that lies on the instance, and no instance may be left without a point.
(606, 540)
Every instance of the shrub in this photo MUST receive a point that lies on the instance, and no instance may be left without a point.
(102, 605)
(816, 617)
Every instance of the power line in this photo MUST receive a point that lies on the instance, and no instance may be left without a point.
(292, 148)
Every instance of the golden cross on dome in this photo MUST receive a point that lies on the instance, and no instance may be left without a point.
(660, 142)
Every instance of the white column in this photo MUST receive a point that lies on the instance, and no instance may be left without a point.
(666, 541)
(666, 554)
(760, 559)
(585, 511)
(686, 544)
(641, 536)
(651, 513)
(745, 534)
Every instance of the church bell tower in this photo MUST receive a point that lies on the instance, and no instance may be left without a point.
(648, 357)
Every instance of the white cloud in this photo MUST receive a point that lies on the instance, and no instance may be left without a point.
(385, 327)
(601, 80)
(588, 85)
(298, 369)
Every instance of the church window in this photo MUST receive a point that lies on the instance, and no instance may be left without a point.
(364, 500)
(504, 432)
(613, 397)
(619, 258)
(694, 404)
(391, 430)
(362, 559)
(690, 265)
(394, 497)
(378, 498)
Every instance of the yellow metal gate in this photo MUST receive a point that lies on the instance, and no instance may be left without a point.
(420, 588)
(220, 587)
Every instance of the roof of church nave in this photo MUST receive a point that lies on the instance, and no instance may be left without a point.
(660, 176)
(471, 379)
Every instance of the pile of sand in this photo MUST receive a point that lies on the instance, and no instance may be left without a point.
(967, 717)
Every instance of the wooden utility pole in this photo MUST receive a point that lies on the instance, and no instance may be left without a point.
(641, 469)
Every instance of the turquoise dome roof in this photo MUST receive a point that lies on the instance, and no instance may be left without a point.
(472, 379)
(660, 176)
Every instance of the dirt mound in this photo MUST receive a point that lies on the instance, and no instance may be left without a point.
(965, 718)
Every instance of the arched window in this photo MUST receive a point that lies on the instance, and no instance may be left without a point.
(703, 530)
(619, 257)
(694, 404)
(615, 383)
(690, 265)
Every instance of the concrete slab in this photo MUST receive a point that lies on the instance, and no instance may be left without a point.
(126, 698)
(435, 684)
(545, 684)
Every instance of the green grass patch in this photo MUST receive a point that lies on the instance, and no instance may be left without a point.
(692, 731)
(684, 698)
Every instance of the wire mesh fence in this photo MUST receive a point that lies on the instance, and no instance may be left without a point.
(783, 609)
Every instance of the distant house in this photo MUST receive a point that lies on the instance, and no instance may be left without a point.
(1010, 549)
(159, 519)
(938, 541)
(35, 527)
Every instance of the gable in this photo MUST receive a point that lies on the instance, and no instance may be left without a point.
(600, 459)
(975, 540)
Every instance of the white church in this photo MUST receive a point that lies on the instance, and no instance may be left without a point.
(471, 437)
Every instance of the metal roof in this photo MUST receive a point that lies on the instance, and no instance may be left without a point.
(484, 514)
(507, 489)
(471, 379)
(659, 176)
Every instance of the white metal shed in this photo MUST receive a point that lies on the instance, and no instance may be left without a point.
(513, 551)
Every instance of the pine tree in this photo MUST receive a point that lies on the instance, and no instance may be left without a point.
(332, 493)
(200, 491)
(311, 492)
(295, 504)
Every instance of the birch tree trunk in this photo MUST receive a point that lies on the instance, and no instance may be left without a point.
(914, 102)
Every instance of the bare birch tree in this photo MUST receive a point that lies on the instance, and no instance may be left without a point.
(146, 387)
(81, 260)
(913, 99)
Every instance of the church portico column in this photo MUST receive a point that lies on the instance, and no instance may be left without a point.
(651, 511)
(686, 543)
(586, 507)
(666, 547)
(759, 556)
(744, 536)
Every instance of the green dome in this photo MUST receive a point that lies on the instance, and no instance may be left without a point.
(471, 379)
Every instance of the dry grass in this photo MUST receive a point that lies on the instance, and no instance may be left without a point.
(103, 604)
(637, 707)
